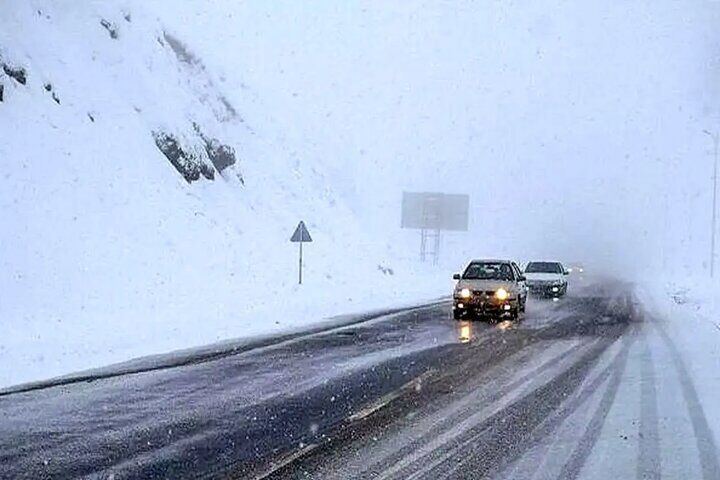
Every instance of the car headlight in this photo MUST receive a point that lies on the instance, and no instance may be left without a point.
(501, 294)
(465, 293)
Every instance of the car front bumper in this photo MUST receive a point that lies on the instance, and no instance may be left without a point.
(547, 289)
(485, 306)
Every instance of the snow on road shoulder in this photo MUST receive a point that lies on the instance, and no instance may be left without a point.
(83, 346)
(687, 311)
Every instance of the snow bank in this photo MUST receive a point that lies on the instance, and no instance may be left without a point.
(694, 299)
(115, 247)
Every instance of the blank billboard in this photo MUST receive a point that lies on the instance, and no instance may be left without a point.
(435, 211)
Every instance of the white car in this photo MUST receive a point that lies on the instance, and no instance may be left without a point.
(576, 268)
(546, 278)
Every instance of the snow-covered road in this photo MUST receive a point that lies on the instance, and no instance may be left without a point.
(594, 386)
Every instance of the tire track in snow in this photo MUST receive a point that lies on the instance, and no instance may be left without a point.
(649, 465)
(424, 446)
(707, 449)
(576, 401)
(550, 407)
(573, 466)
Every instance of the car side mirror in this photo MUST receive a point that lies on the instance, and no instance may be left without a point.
(566, 272)
(456, 276)
(522, 278)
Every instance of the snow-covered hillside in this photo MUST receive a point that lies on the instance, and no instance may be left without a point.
(147, 207)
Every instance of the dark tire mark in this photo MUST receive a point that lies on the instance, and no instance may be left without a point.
(571, 469)
(559, 416)
(491, 398)
(704, 439)
(507, 435)
(453, 362)
(649, 465)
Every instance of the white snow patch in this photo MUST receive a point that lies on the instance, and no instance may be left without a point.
(688, 310)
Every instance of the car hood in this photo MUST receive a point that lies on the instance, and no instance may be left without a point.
(544, 276)
(484, 284)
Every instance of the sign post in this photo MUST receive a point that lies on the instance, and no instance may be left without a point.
(433, 213)
(300, 236)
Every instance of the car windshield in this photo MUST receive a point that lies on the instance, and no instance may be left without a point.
(544, 267)
(488, 271)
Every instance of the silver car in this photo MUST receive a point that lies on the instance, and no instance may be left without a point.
(490, 288)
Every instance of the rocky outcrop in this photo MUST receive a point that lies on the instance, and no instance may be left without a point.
(16, 73)
(222, 156)
(110, 27)
(189, 164)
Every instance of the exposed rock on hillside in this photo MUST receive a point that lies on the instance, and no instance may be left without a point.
(222, 156)
(49, 88)
(188, 163)
(110, 27)
(16, 73)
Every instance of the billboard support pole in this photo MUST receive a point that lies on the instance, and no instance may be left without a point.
(431, 213)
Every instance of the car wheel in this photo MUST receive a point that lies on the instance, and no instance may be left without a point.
(522, 305)
(458, 314)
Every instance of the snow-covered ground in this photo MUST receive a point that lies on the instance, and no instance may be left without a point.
(688, 311)
(108, 253)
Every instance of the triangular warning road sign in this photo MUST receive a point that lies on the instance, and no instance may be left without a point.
(301, 234)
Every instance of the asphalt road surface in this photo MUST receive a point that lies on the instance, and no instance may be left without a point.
(585, 387)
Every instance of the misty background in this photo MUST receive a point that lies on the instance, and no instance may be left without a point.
(576, 127)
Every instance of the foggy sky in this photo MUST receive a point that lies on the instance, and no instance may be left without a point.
(576, 127)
